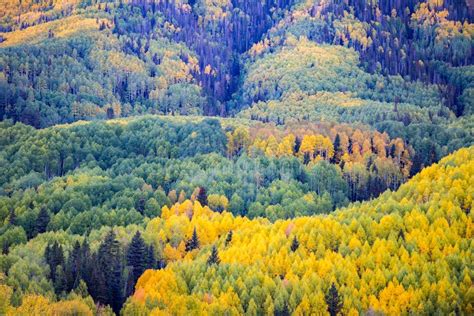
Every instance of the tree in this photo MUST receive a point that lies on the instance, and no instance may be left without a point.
(295, 244)
(202, 196)
(151, 259)
(333, 300)
(74, 266)
(54, 257)
(137, 257)
(12, 217)
(214, 257)
(336, 159)
(42, 221)
(193, 242)
(228, 239)
(108, 271)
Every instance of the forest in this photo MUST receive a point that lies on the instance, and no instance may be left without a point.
(236, 157)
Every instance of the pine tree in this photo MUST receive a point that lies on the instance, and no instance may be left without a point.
(297, 144)
(12, 217)
(54, 257)
(193, 243)
(60, 282)
(214, 257)
(151, 259)
(109, 273)
(337, 150)
(333, 300)
(73, 267)
(202, 196)
(137, 256)
(42, 221)
(228, 238)
(295, 244)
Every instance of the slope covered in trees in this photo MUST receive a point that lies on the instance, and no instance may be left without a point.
(239, 149)
(191, 57)
(406, 252)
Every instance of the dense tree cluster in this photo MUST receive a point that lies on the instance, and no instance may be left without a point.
(324, 104)
(406, 252)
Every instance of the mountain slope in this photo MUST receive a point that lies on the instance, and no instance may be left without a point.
(405, 252)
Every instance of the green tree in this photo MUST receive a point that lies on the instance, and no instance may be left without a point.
(193, 242)
(137, 256)
(295, 244)
(214, 257)
(334, 301)
(42, 221)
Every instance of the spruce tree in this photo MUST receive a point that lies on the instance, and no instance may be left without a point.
(202, 196)
(12, 217)
(73, 267)
(336, 159)
(295, 244)
(297, 144)
(54, 256)
(42, 221)
(137, 256)
(151, 259)
(193, 243)
(214, 257)
(228, 238)
(334, 301)
(110, 272)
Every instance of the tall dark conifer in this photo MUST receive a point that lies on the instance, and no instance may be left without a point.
(228, 239)
(42, 221)
(214, 257)
(193, 242)
(334, 301)
(202, 196)
(137, 256)
(74, 267)
(295, 244)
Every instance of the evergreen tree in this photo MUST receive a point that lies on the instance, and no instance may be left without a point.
(214, 257)
(295, 244)
(108, 274)
(202, 196)
(42, 221)
(337, 150)
(12, 217)
(73, 267)
(151, 259)
(60, 282)
(54, 256)
(137, 256)
(297, 144)
(333, 300)
(306, 158)
(193, 243)
(228, 238)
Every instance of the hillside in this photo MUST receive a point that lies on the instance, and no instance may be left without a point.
(236, 157)
(406, 252)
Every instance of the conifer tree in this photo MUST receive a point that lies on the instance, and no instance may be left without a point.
(193, 243)
(295, 244)
(337, 150)
(54, 257)
(74, 266)
(109, 275)
(137, 256)
(202, 196)
(333, 300)
(42, 221)
(151, 259)
(228, 238)
(12, 217)
(214, 257)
